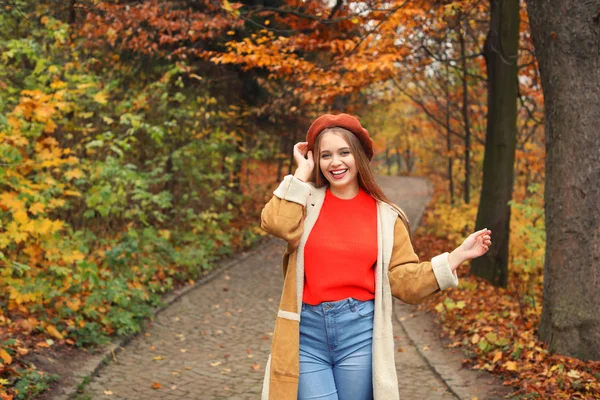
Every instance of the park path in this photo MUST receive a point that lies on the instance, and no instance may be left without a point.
(213, 342)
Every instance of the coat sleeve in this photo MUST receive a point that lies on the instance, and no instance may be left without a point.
(412, 281)
(283, 216)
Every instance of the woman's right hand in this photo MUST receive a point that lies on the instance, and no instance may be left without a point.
(305, 165)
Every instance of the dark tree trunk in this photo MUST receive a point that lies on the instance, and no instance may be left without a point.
(465, 112)
(408, 157)
(398, 155)
(566, 36)
(501, 138)
(448, 136)
(388, 158)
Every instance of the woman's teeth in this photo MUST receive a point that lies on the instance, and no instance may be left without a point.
(339, 174)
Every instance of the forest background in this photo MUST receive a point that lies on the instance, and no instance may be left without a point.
(139, 141)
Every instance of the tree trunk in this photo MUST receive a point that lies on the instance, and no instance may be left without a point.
(388, 158)
(398, 155)
(448, 136)
(465, 112)
(500, 51)
(567, 45)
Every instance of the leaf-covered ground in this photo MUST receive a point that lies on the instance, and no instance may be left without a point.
(498, 328)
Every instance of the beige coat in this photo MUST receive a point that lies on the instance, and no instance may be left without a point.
(290, 215)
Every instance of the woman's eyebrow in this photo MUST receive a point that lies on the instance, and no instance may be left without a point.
(341, 148)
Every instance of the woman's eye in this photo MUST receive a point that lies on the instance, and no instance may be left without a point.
(345, 153)
(324, 155)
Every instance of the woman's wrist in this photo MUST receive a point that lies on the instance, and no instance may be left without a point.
(455, 259)
(302, 175)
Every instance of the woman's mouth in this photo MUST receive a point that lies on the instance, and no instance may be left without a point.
(339, 173)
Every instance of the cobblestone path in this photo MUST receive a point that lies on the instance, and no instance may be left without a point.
(213, 343)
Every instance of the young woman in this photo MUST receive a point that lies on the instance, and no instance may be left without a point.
(348, 252)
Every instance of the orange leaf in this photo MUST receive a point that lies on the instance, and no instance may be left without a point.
(156, 385)
(51, 329)
(497, 357)
(5, 356)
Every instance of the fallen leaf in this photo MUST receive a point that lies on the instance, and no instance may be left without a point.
(5, 356)
(215, 364)
(51, 329)
(510, 365)
(497, 357)
(475, 339)
(156, 385)
(108, 392)
(574, 374)
(255, 366)
(157, 358)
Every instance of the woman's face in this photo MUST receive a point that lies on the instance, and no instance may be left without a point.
(336, 161)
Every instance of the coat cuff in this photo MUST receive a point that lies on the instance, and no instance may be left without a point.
(443, 273)
(293, 189)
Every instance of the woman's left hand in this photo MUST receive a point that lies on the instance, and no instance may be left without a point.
(475, 245)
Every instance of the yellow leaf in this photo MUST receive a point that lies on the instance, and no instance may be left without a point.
(9, 199)
(74, 304)
(51, 329)
(21, 217)
(101, 97)
(74, 173)
(5, 356)
(37, 208)
(50, 126)
(58, 84)
(73, 193)
(510, 365)
(475, 339)
(44, 226)
(85, 85)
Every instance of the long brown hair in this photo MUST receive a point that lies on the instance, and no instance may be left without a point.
(366, 180)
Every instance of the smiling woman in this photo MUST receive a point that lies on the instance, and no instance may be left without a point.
(349, 252)
(337, 162)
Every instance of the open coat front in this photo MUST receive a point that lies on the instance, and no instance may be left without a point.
(290, 215)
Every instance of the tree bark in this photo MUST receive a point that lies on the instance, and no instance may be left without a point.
(448, 135)
(566, 36)
(500, 51)
(465, 112)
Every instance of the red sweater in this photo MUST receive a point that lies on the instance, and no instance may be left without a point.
(341, 251)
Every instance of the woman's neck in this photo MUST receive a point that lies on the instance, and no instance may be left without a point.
(346, 192)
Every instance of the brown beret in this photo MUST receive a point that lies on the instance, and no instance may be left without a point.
(343, 121)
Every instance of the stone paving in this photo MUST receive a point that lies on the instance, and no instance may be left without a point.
(213, 342)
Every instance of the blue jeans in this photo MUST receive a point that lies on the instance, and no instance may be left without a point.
(335, 350)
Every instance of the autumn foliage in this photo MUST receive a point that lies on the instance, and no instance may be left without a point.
(138, 140)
